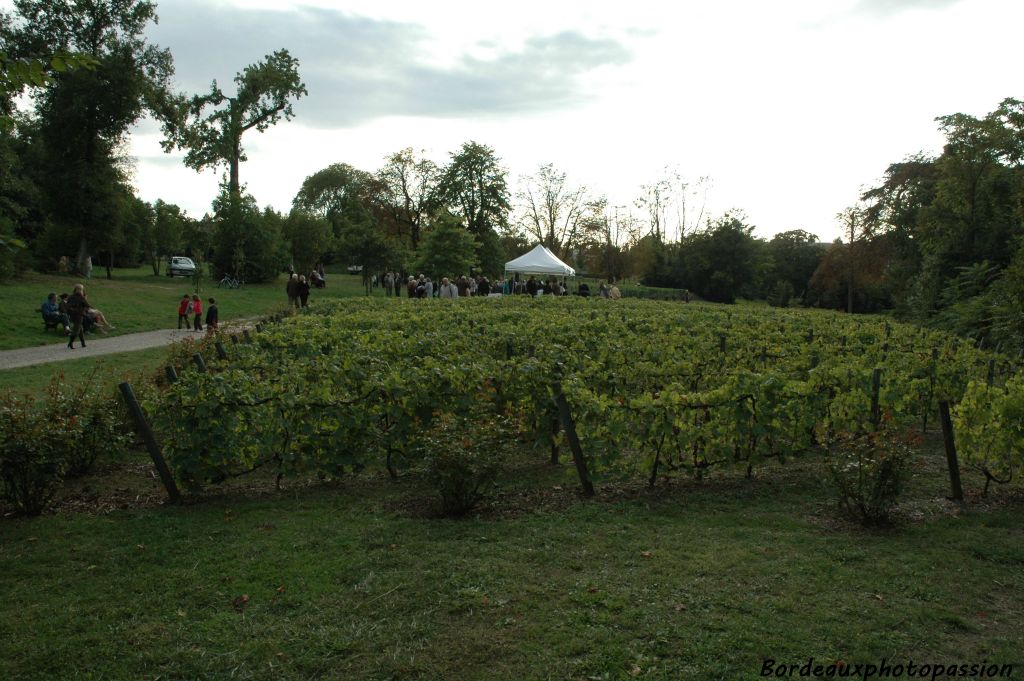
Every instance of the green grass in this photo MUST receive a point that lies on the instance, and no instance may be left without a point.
(353, 581)
(104, 370)
(135, 300)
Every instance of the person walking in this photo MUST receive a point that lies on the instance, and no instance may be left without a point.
(197, 310)
(77, 306)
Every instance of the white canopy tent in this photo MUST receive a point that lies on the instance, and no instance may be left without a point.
(539, 261)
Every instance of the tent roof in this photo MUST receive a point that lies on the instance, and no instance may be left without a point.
(540, 261)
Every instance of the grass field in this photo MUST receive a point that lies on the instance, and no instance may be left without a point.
(352, 581)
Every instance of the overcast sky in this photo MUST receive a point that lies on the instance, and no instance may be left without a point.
(790, 107)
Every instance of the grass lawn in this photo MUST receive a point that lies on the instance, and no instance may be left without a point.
(135, 300)
(354, 580)
(105, 370)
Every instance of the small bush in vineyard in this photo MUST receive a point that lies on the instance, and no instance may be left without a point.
(869, 474)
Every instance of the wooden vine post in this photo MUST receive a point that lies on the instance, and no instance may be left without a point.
(876, 384)
(951, 460)
(143, 429)
(569, 426)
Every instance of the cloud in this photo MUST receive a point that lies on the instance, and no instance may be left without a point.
(887, 8)
(357, 69)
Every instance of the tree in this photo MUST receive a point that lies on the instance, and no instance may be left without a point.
(338, 194)
(166, 236)
(674, 207)
(85, 114)
(947, 218)
(554, 213)
(246, 241)
(448, 250)
(211, 126)
(363, 244)
(309, 237)
(406, 192)
(723, 261)
(474, 187)
(794, 257)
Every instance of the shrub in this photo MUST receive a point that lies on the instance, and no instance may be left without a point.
(45, 440)
(32, 453)
(463, 457)
(869, 475)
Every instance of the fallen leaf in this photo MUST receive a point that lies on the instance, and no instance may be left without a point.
(280, 589)
(392, 546)
(680, 607)
(635, 671)
(140, 547)
(180, 613)
(592, 590)
(33, 539)
(241, 602)
(879, 597)
(645, 554)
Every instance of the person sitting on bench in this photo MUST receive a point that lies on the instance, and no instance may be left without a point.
(53, 316)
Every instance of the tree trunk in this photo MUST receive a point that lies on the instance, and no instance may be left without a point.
(233, 184)
(83, 253)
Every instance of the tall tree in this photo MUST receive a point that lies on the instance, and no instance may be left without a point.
(85, 114)
(309, 237)
(553, 211)
(166, 234)
(448, 249)
(338, 194)
(794, 257)
(211, 126)
(475, 187)
(406, 191)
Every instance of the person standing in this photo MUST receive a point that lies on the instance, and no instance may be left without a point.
(292, 288)
(448, 289)
(184, 307)
(211, 317)
(197, 310)
(77, 306)
(303, 291)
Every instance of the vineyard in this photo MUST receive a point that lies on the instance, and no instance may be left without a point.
(715, 441)
(634, 390)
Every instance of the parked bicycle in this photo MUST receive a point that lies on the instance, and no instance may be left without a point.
(229, 282)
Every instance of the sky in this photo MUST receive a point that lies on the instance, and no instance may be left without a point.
(791, 108)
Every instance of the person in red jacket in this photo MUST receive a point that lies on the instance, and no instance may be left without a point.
(183, 310)
(197, 310)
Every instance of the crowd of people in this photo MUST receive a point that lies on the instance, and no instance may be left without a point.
(299, 285)
(467, 286)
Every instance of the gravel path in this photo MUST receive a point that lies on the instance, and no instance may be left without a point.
(94, 346)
